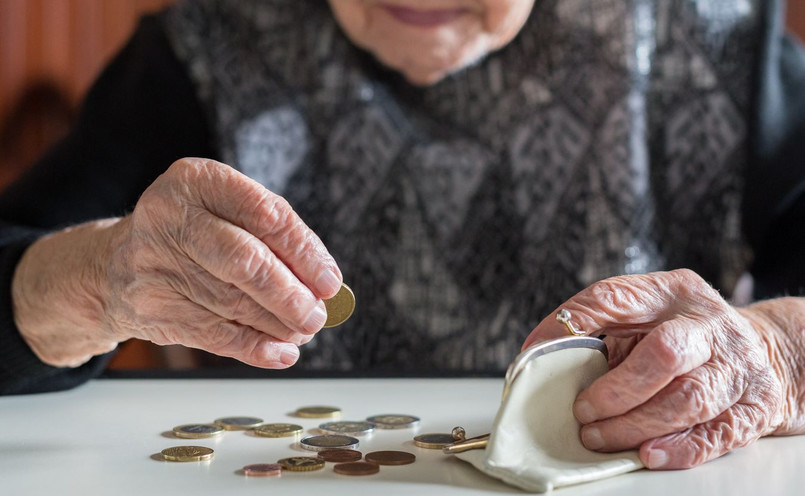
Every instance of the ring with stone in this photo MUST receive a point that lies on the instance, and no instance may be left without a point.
(564, 317)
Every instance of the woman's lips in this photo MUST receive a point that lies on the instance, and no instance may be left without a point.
(424, 18)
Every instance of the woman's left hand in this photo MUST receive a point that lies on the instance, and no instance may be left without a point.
(691, 377)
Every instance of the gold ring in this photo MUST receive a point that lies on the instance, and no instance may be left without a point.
(564, 317)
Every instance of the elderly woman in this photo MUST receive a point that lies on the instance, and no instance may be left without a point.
(468, 166)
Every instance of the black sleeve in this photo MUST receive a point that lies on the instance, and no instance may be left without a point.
(140, 116)
(774, 200)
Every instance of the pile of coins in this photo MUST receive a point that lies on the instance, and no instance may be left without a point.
(336, 444)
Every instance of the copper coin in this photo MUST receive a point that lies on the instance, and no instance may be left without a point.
(390, 457)
(263, 469)
(340, 455)
(356, 468)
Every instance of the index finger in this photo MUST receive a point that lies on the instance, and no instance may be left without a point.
(626, 305)
(270, 218)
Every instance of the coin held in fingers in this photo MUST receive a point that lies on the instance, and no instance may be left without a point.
(339, 307)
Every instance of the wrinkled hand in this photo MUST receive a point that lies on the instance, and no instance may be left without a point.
(691, 377)
(211, 259)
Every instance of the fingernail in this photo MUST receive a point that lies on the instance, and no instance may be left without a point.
(591, 437)
(316, 319)
(657, 458)
(289, 355)
(328, 283)
(584, 411)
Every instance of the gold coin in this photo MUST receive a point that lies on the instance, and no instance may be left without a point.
(301, 463)
(278, 430)
(197, 431)
(434, 441)
(318, 412)
(187, 454)
(339, 307)
(238, 423)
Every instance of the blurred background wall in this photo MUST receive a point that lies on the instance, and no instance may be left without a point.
(50, 52)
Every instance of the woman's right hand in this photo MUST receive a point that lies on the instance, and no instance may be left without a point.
(209, 259)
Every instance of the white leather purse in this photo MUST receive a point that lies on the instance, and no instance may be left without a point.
(535, 443)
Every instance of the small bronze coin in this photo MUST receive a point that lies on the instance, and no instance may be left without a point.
(356, 468)
(340, 455)
(434, 441)
(301, 463)
(339, 307)
(187, 454)
(390, 457)
(263, 470)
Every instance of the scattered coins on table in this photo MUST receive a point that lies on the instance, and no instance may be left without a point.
(187, 454)
(301, 463)
(339, 307)
(263, 470)
(393, 421)
(346, 427)
(278, 430)
(390, 457)
(317, 412)
(238, 423)
(434, 441)
(339, 455)
(356, 468)
(197, 431)
(327, 441)
(337, 445)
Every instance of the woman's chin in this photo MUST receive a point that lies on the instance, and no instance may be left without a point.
(422, 78)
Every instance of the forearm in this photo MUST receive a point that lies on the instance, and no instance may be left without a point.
(781, 323)
(57, 294)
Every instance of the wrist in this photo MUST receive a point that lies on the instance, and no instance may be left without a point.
(58, 294)
(780, 323)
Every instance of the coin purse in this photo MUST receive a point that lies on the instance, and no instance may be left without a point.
(534, 443)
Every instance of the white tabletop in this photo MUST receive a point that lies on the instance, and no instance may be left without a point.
(104, 438)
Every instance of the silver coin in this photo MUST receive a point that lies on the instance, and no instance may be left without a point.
(197, 431)
(328, 441)
(346, 427)
(393, 421)
(239, 423)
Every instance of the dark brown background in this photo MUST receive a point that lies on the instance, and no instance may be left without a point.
(50, 52)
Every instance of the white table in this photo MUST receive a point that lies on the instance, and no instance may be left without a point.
(104, 438)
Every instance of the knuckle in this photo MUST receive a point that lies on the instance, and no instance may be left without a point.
(296, 304)
(665, 348)
(690, 403)
(247, 262)
(275, 213)
(692, 287)
(222, 339)
(617, 296)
